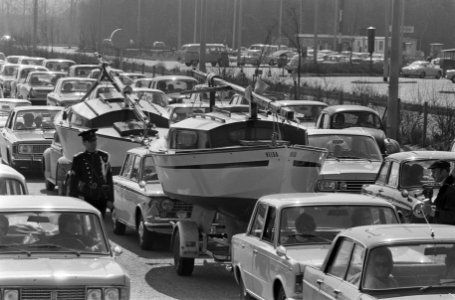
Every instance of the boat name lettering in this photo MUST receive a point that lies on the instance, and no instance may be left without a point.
(271, 154)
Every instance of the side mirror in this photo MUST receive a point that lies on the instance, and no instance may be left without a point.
(281, 252)
(117, 251)
(142, 184)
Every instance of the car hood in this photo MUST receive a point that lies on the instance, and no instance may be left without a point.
(349, 169)
(312, 255)
(34, 135)
(71, 96)
(73, 271)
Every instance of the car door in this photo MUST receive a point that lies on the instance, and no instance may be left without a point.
(265, 260)
(325, 284)
(125, 189)
(250, 245)
(4, 136)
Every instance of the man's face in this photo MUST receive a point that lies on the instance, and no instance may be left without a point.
(90, 145)
(439, 174)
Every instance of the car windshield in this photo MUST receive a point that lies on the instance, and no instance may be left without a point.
(11, 186)
(153, 97)
(305, 112)
(32, 61)
(76, 86)
(58, 65)
(320, 224)
(175, 86)
(419, 265)
(9, 70)
(47, 232)
(347, 146)
(35, 119)
(42, 79)
(356, 119)
(414, 174)
(149, 173)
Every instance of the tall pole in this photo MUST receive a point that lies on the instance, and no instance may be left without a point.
(386, 41)
(195, 21)
(234, 24)
(202, 47)
(316, 21)
(392, 103)
(280, 24)
(35, 25)
(179, 35)
(335, 23)
(239, 30)
(301, 17)
(100, 24)
(139, 25)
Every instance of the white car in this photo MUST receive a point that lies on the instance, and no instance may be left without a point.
(421, 69)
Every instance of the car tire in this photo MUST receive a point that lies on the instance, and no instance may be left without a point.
(184, 266)
(422, 75)
(243, 292)
(117, 227)
(281, 294)
(49, 186)
(145, 236)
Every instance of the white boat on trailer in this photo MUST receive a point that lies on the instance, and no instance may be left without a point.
(222, 162)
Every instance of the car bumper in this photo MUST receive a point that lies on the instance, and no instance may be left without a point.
(34, 161)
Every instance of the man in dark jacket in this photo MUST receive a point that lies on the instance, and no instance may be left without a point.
(445, 201)
(91, 175)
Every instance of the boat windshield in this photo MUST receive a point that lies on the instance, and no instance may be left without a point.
(347, 146)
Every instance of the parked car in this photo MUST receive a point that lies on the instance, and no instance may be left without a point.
(347, 116)
(28, 132)
(152, 95)
(28, 60)
(304, 112)
(280, 58)
(404, 180)
(256, 54)
(140, 202)
(142, 82)
(354, 159)
(56, 247)
(12, 182)
(172, 85)
(69, 91)
(58, 64)
(81, 70)
(421, 69)
(13, 59)
(406, 261)
(36, 87)
(20, 75)
(6, 77)
(6, 105)
(286, 232)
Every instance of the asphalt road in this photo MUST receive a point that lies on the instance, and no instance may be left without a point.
(152, 272)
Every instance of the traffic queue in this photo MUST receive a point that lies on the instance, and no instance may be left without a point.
(294, 212)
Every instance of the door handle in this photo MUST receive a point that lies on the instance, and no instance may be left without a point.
(255, 251)
(319, 281)
(337, 292)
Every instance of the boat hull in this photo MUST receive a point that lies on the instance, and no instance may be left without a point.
(230, 180)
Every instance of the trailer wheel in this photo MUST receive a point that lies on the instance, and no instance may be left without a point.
(183, 265)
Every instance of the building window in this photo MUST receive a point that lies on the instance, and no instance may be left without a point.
(381, 46)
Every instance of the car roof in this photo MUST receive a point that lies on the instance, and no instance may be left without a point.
(143, 89)
(292, 199)
(377, 235)
(9, 172)
(297, 102)
(45, 203)
(416, 155)
(173, 77)
(37, 107)
(341, 108)
(347, 131)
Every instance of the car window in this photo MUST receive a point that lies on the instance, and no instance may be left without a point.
(149, 170)
(341, 259)
(127, 166)
(355, 266)
(382, 177)
(259, 220)
(11, 186)
(269, 232)
(393, 177)
(135, 170)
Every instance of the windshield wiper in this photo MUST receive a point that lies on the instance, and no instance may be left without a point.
(15, 247)
(53, 246)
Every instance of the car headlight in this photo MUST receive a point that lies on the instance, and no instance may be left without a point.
(25, 149)
(111, 294)
(11, 294)
(167, 205)
(343, 186)
(94, 294)
(32, 93)
(327, 185)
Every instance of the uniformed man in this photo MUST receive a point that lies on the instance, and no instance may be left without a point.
(445, 201)
(91, 175)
